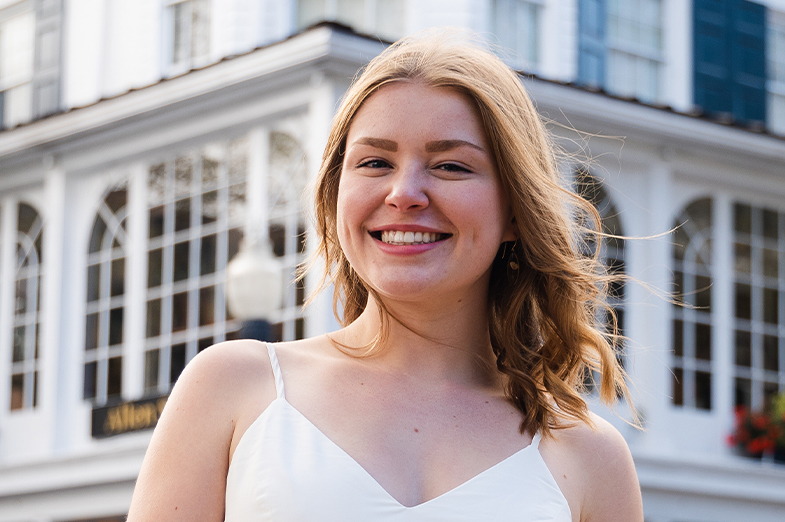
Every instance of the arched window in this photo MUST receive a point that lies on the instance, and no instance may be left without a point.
(103, 367)
(288, 178)
(759, 247)
(611, 251)
(27, 308)
(692, 328)
(196, 214)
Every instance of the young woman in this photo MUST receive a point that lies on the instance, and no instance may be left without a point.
(468, 304)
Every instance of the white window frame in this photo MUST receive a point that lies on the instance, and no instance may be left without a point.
(16, 89)
(170, 66)
(775, 55)
(639, 54)
(514, 52)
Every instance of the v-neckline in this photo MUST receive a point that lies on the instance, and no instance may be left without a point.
(366, 473)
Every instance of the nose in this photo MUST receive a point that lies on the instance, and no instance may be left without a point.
(408, 189)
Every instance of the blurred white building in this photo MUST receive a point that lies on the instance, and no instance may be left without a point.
(143, 139)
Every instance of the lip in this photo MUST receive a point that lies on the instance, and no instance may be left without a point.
(407, 250)
(407, 228)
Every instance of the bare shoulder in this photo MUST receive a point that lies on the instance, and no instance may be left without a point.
(216, 397)
(594, 468)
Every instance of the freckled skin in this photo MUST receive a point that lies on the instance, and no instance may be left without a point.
(456, 192)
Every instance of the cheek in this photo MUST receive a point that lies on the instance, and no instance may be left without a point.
(349, 214)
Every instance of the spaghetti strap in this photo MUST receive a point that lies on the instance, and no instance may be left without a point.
(276, 371)
(536, 440)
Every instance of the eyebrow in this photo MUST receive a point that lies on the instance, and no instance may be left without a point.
(445, 145)
(431, 146)
(379, 143)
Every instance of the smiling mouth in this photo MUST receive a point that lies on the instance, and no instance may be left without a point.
(398, 237)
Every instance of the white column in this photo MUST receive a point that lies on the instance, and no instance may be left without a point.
(51, 399)
(651, 313)
(320, 318)
(257, 214)
(135, 284)
(7, 269)
(676, 81)
(722, 314)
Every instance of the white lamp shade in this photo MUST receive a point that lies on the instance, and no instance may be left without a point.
(254, 284)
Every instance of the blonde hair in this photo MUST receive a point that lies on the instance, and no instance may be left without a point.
(542, 315)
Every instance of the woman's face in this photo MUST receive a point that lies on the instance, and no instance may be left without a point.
(421, 211)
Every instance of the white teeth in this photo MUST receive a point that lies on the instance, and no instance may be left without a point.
(398, 237)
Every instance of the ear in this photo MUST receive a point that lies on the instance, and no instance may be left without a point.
(510, 230)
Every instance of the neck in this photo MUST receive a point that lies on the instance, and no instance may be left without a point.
(442, 341)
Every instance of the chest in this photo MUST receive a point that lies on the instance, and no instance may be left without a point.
(286, 468)
(416, 444)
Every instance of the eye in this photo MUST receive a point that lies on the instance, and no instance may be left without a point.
(374, 164)
(452, 167)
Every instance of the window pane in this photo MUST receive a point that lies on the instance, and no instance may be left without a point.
(156, 226)
(209, 174)
(118, 277)
(770, 308)
(678, 386)
(156, 187)
(153, 318)
(181, 261)
(743, 258)
(678, 338)
(771, 357)
(742, 217)
(182, 177)
(770, 389)
(19, 344)
(743, 391)
(17, 391)
(115, 326)
(207, 255)
(204, 343)
(210, 207)
(155, 268)
(743, 348)
(743, 301)
(703, 390)
(179, 311)
(703, 293)
(770, 224)
(178, 362)
(20, 303)
(91, 333)
(90, 380)
(206, 306)
(703, 342)
(114, 385)
(151, 368)
(93, 282)
(182, 216)
(235, 237)
(770, 262)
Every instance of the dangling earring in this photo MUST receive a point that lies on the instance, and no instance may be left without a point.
(514, 259)
(504, 249)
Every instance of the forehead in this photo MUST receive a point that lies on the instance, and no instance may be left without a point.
(404, 106)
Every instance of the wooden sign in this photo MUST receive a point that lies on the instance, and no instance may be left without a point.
(127, 417)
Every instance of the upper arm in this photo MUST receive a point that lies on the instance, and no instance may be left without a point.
(611, 491)
(183, 476)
